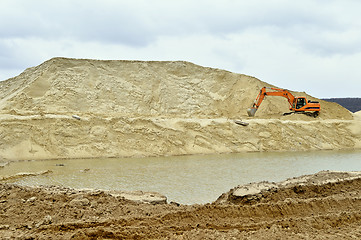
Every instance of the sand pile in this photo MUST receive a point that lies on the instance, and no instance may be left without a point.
(127, 88)
(135, 88)
(89, 108)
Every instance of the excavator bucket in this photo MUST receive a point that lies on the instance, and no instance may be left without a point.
(251, 111)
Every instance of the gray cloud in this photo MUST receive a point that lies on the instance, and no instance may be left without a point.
(114, 21)
(272, 40)
(79, 20)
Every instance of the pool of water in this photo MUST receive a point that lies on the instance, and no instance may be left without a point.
(183, 179)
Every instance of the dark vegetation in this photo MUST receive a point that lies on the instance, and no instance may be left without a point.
(352, 104)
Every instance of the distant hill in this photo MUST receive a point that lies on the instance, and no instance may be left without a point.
(352, 104)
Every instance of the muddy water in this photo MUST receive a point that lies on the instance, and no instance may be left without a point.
(184, 179)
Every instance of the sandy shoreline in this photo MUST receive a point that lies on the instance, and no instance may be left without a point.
(326, 205)
(43, 137)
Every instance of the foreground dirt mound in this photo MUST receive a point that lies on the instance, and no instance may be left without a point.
(306, 186)
(72, 108)
(326, 205)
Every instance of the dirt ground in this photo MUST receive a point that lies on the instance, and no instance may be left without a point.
(326, 205)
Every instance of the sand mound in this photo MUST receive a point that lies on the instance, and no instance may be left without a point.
(357, 115)
(66, 108)
(127, 88)
(138, 88)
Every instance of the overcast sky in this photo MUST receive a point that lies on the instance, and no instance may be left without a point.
(309, 45)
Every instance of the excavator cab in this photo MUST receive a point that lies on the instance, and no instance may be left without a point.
(301, 105)
(300, 102)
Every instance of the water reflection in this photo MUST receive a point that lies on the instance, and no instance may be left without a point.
(184, 179)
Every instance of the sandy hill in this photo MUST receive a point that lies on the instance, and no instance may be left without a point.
(138, 108)
(138, 88)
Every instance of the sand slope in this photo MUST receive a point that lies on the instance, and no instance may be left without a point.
(136, 88)
(136, 108)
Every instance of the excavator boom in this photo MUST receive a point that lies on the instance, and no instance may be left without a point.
(297, 104)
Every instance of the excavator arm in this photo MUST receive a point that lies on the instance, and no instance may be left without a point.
(277, 92)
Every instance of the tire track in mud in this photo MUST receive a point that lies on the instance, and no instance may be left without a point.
(302, 212)
(226, 218)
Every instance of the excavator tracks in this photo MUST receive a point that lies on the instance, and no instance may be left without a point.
(310, 114)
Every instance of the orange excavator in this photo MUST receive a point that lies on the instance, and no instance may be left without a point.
(297, 104)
